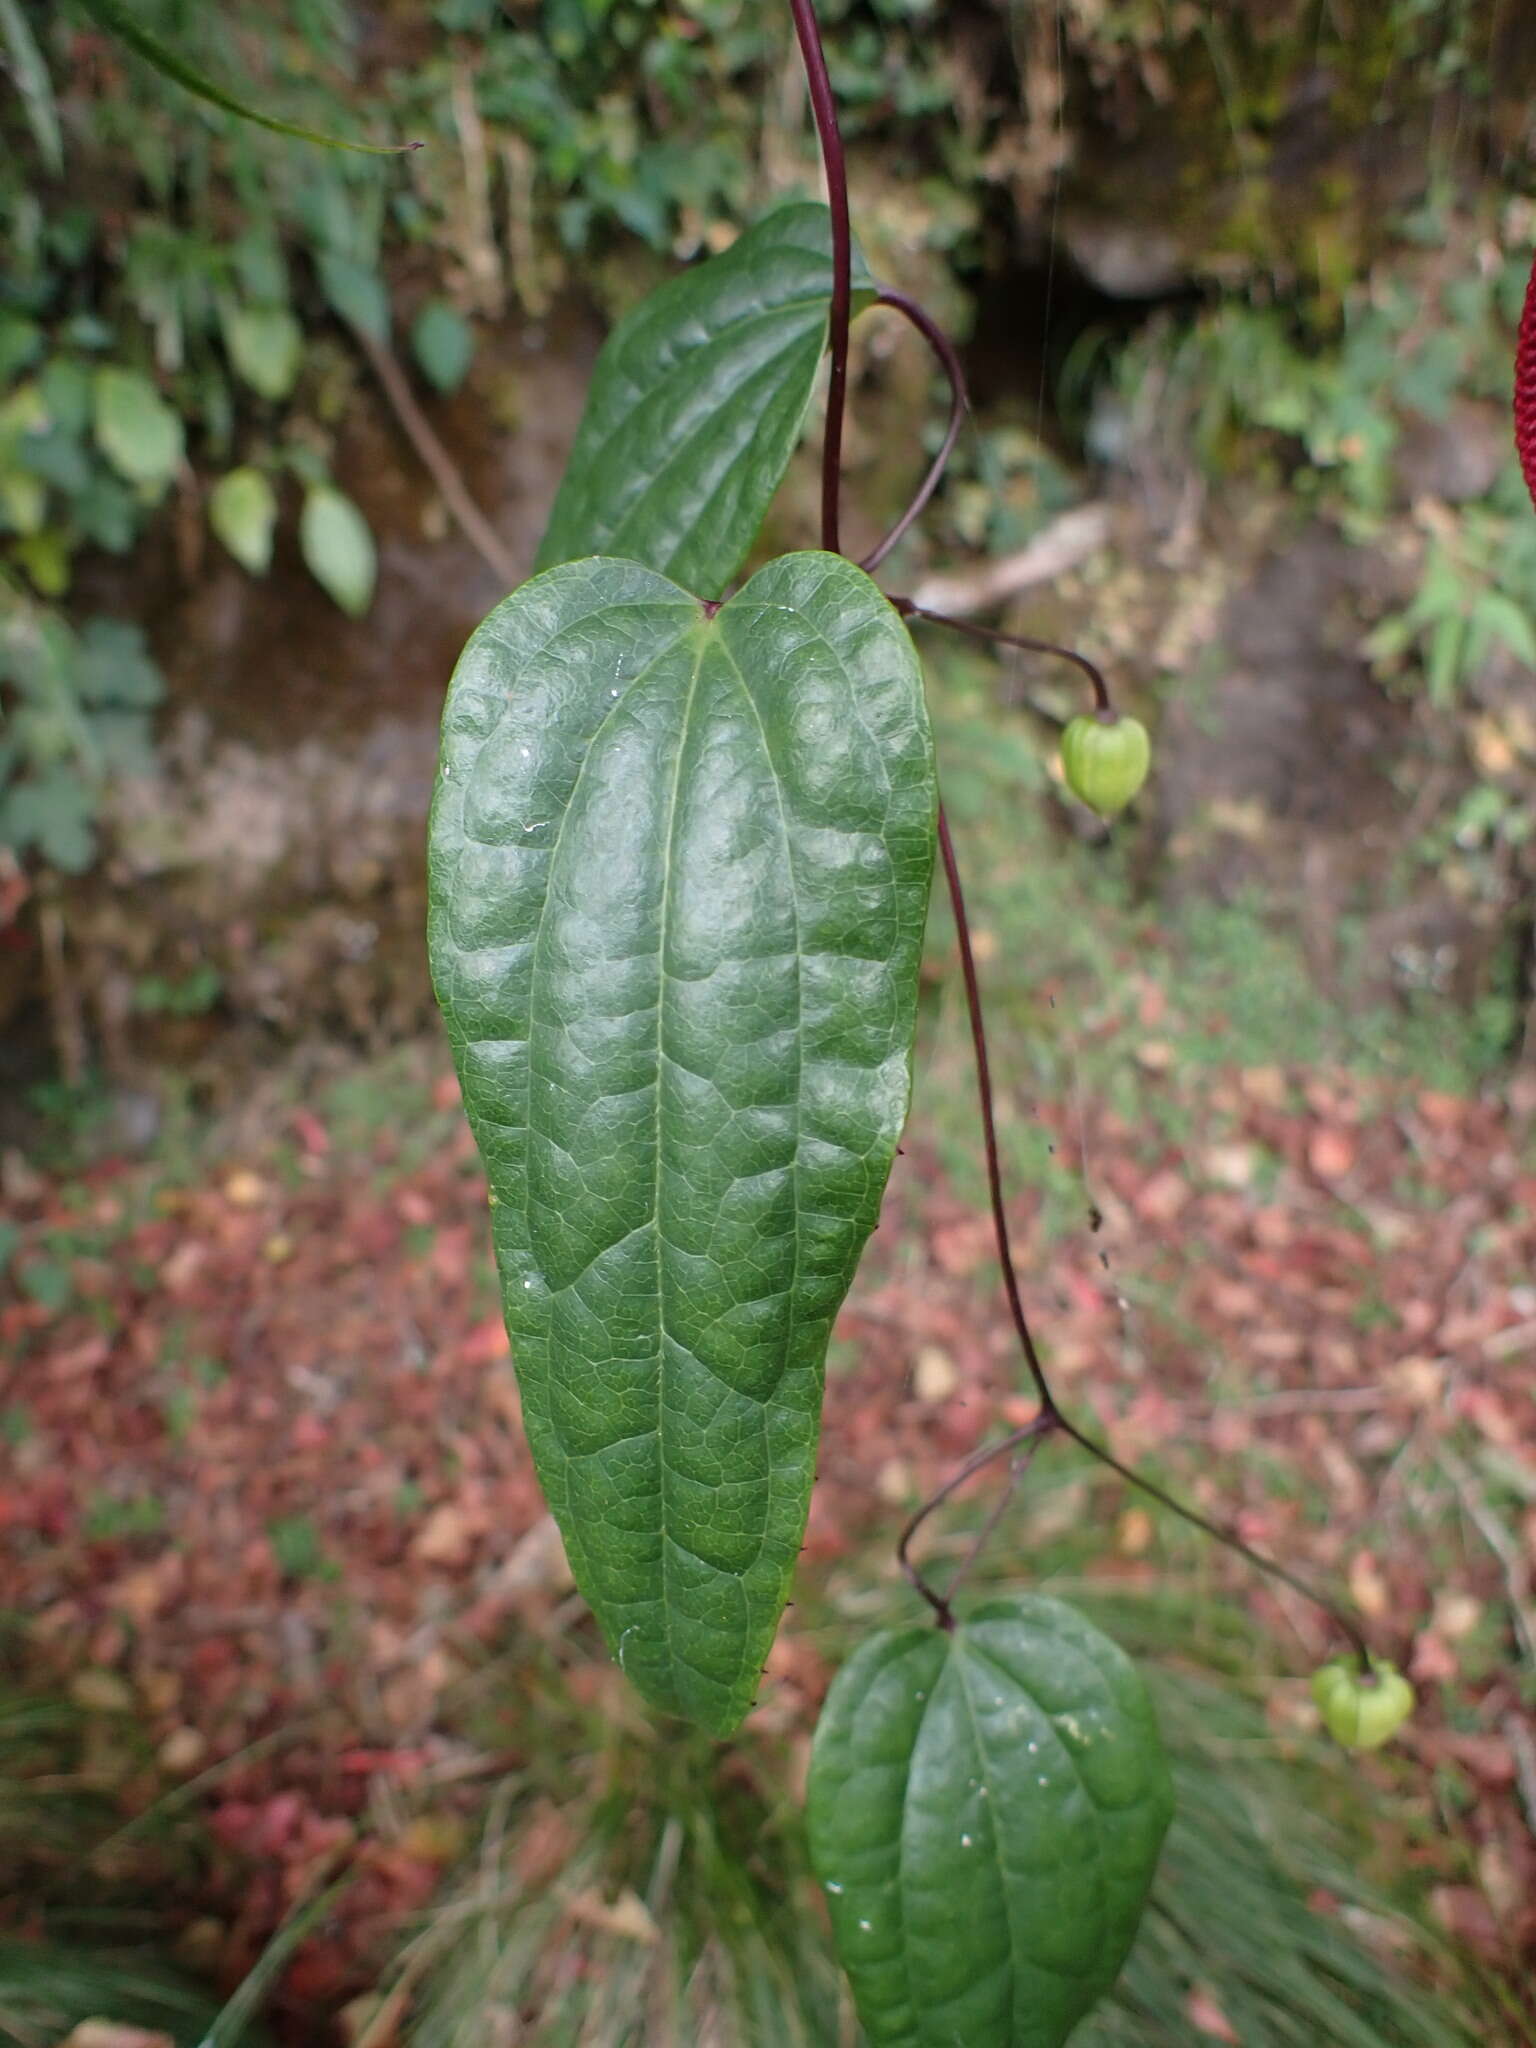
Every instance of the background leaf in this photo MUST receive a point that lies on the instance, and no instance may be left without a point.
(696, 404)
(679, 874)
(338, 549)
(242, 512)
(136, 430)
(986, 1811)
(266, 346)
(443, 344)
(356, 293)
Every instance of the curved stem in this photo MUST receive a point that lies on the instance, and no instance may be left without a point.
(1223, 1535)
(452, 489)
(1037, 1427)
(989, 1118)
(1102, 702)
(1050, 1417)
(959, 406)
(824, 106)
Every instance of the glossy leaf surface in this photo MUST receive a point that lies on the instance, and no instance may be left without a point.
(986, 1811)
(696, 405)
(679, 871)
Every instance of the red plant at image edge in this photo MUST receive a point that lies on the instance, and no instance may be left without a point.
(1525, 388)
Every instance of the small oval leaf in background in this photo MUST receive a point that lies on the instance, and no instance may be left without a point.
(266, 346)
(443, 343)
(355, 293)
(135, 429)
(678, 880)
(242, 512)
(986, 1811)
(696, 405)
(338, 549)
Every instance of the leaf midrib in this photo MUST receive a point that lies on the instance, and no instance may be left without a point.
(701, 638)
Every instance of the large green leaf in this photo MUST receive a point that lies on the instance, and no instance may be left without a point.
(679, 868)
(986, 1810)
(696, 404)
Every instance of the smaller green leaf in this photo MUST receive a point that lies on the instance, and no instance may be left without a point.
(696, 405)
(356, 294)
(338, 549)
(21, 343)
(53, 813)
(115, 666)
(1506, 619)
(266, 346)
(107, 513)
(123, 21)
(45, 557)
(444, 344)
(66, 388)
(135, 429)
(259, 265)
(243, 512)
(986, 1811)
(1447, 645)
(22, 411)
(23, 500)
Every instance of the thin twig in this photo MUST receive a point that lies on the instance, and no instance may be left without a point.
(1018, 1465)
(1031, 1433)
(824, 106)
(1101, 696)
(1051, 1417)
(959, 406)
(1223, 1534)
(988, 1116)
(471, 521)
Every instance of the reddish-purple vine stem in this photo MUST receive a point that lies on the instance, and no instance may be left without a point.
(824, 107)
(1525, 388)
(959, 406)
(1224, 1535)
(1101, 697)
(989, 1118)
(1030, 1435)
(1050, 1418)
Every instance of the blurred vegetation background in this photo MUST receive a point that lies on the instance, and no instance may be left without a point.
(1237, 287)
